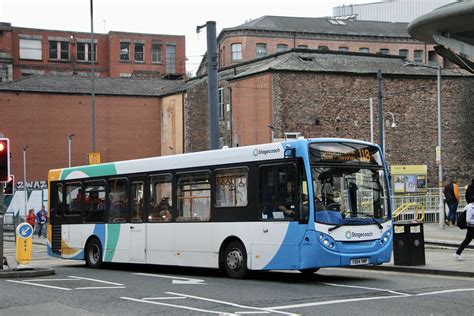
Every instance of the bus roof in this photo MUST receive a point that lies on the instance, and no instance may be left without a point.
(222, 156)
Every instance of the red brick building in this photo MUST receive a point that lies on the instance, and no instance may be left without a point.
(27, 51)
(41, 111)
(271, 34)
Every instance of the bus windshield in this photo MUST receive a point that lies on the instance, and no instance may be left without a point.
(349, 184)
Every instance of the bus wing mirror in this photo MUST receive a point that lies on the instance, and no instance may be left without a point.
(290, 153)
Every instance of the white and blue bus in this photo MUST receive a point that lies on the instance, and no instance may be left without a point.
(294, 205)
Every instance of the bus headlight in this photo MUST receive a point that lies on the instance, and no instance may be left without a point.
(385, 237)
(327, 241)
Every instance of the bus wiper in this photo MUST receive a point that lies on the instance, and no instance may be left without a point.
(373, 218)
(335, 227)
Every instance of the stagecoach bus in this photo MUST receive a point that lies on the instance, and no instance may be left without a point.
(294, 205)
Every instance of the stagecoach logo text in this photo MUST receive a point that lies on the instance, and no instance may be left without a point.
(265, 152)
(350, 234)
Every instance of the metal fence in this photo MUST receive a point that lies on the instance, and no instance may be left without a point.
(430, 202)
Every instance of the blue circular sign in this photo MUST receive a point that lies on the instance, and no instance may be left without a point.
(24, 230)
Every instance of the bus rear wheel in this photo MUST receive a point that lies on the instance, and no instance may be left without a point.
(235, 260)
(93, 254)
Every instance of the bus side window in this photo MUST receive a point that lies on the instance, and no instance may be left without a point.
(94, 203)
(194, 196)
(160, 208)
(74, 199)
(118, 210)
(57, 204)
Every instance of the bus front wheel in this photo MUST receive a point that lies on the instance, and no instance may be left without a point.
(309, 271)
(93, 254)
(235, 260)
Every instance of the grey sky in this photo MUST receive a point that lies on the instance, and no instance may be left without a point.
(178, 17)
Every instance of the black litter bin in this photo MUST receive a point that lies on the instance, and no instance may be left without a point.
(408, 244)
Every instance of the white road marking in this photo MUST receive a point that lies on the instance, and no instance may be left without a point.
(253, 312)
(99, 287)
(176, 280)
(71, 278)
(229, 303)
(419, 275)
(41, 285)
(177, 306)
(95, 280)
(446, 291)
(46, 280)
(365, 288)
(334, 302)
(164, 298)
(402, 295)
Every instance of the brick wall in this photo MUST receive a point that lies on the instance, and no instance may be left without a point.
(127, 128)
(252, 110)
(47, 66)
(118, 67)
(196, 136)
(320, 105)
(249, 42)
(108, 53)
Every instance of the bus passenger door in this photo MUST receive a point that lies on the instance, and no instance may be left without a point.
(276, 237)
(137, 226)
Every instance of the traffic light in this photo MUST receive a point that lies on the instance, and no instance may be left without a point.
(4, 159)
(9, 187)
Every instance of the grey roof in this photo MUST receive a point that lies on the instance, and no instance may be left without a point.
(324, 26)
(103, 86)
(300, 60)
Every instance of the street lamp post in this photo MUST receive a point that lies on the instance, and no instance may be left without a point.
(440, 165)
(371, 101)
(383, 128)
(212, 83)
(93, 118)
(69, 146)
(24, 179)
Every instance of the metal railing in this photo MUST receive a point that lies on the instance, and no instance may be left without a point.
(429, 202)
(417, 208)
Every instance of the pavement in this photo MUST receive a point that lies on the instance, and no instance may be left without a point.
(27, 271)
(440, 244)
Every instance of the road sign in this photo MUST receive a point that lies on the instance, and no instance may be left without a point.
(24, 236)
(94, 158)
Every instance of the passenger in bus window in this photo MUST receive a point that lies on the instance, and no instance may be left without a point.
(93, 200)
(327, 191)
(165, 209)
(77, 201)
(118, 208)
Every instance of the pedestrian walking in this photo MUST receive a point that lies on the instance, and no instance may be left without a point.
(451, 197)
(470, 192)
(469, 233)
(42, 219)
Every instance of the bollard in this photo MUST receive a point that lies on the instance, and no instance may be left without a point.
(24, 236)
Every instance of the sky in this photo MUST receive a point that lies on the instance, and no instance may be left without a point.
(174, 17)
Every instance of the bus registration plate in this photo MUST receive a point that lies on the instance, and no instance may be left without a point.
(359, 261)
